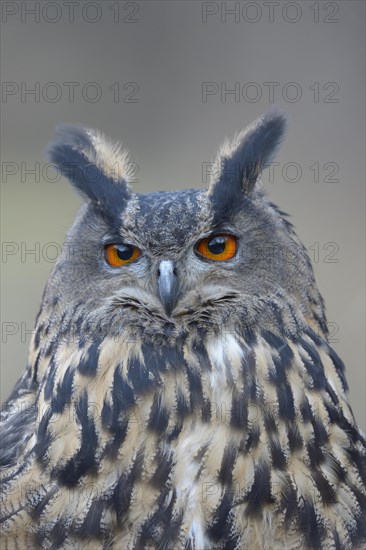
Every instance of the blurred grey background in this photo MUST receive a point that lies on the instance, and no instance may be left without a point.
(158, 76)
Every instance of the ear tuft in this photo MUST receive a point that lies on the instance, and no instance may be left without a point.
(251, 151)
(97, 168)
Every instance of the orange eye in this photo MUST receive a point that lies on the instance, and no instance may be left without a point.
(117, 255)
(218, 247)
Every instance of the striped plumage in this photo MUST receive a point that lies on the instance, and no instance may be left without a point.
(223, 423)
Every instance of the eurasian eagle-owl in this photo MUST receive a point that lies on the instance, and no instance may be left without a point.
(180, 391)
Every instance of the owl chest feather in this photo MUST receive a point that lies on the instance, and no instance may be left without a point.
(215, 439)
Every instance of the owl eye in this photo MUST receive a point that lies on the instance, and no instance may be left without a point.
(218, 247)
(117, 255)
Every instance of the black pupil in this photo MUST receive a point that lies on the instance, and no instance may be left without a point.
(124, 251)
(217, 245)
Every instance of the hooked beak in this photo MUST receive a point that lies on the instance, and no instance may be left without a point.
(167, 285)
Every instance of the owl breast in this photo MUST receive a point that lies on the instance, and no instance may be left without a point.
(200, 442)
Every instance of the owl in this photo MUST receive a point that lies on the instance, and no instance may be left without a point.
(181, 392)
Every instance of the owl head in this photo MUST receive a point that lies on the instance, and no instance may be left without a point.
(157, 263)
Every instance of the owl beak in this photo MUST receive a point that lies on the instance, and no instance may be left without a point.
(167, 285)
